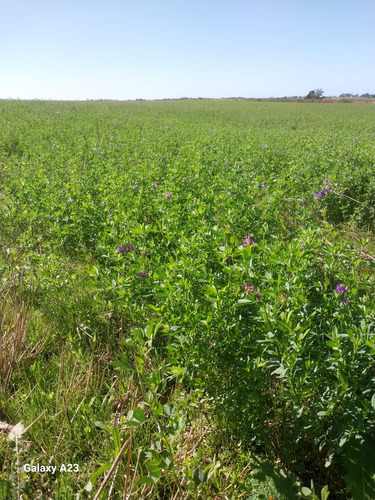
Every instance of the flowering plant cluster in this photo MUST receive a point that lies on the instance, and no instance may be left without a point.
(323, 192)
(248, 241)
(251, 289)
(128, 248)
(341, 290)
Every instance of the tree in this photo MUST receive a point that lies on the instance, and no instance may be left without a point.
(315, 94)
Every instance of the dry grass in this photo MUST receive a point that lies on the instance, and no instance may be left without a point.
(16, 315)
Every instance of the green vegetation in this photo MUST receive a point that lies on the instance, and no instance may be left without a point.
(315, 94)
(187, 300)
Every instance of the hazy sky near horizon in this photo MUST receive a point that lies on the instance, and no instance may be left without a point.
(153, 49)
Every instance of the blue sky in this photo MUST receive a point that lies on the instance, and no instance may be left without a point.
(152, 49)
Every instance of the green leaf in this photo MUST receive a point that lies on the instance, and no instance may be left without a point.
(324, 494)
(123, 364)
(167, 410)
(136, 417)
(281, 371)
(332, 344)
(212, 289)
(153, 307)
(198, 476)
(157, 409)
(136, 230)
(342, 441)
(97, 473)
(139, 415)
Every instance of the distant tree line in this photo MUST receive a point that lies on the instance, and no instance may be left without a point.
(357, 95)
(318, 94)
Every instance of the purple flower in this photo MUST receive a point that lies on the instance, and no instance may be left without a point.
(248, 241)
(263, 185)
(257, 296)
(142, 274)
(325, 182)
(304, 202)
(185, 179)
(327, 189)
(319, 194)
(156, 185)
(341, 289)
(168, 195)
(135, 185)
(126, 249)
(249, 288)
(48, 179)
